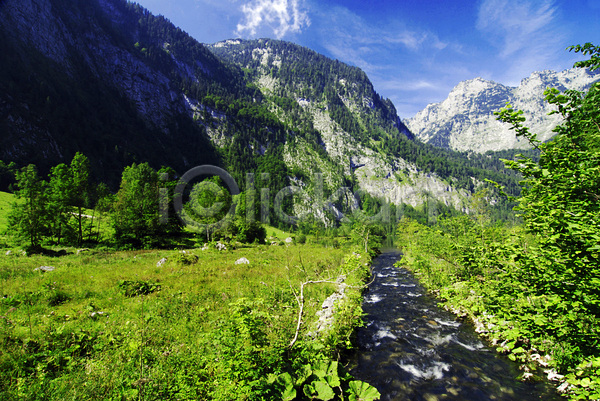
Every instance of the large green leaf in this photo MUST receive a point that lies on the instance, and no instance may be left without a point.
(361, 391)
(303, 374)
(290, 392)
(324, 392)
(328, 370)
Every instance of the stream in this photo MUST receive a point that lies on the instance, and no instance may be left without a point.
(412, 349)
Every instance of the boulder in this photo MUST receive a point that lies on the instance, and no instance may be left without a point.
(44, 268)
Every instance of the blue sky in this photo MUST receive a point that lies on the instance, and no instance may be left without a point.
(414, 51)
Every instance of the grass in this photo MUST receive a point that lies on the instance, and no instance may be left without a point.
(200, 326)
(6, 201)
(275, 234)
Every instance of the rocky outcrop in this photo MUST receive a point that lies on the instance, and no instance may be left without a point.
(465, 120)
(382, 176)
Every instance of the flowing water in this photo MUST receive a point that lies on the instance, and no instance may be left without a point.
(412, 349)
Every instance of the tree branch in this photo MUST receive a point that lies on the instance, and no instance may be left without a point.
(301, 304)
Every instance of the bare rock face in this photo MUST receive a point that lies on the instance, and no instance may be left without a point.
(45, 28)
(466, 120)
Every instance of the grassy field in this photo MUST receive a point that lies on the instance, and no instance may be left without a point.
(117, 325)
(6, 201)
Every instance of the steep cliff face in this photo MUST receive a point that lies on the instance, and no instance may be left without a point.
(100, 36)
(465, 120)
(77, 79)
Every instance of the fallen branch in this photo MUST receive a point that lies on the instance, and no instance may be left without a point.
(300, 301)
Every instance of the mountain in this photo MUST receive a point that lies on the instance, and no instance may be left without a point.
(465, 120)
(106, 78)
(111, 80)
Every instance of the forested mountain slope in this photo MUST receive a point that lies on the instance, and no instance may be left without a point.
(93, 76)
(109, 79)
(364, 140)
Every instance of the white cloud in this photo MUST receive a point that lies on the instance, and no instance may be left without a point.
(406, 85)
(410, 39)
(526, 33)
(282, 16)
(372, 47)
(517, 24)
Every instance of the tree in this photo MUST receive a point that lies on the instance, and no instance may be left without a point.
(247, 231)
(68, 196)
(28, 220)
(561, 192)
(79, 174)
(59, 195)
(208, 205)
(172, 226)
(560, 202)
(136, 215)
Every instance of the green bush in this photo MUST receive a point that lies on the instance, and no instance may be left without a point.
(132, 288)
(58, 297)
(185, 258)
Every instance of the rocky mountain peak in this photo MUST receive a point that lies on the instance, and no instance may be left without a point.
(465, 120)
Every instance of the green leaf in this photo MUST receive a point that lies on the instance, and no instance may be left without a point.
(361, 391)
(309, 391)
(287, 382)
(519, 350)
(324, 392)
(328, 370)
(289, 394)
(303, 374)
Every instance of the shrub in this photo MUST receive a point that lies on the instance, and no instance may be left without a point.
(185, 258)
(131, 288)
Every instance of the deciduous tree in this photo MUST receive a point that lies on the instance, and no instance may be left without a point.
(560, 202)
(28, 219)
(136, 214)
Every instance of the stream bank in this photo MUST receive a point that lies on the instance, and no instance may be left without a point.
(412, 349)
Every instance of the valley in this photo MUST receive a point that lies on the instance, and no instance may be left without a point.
(295, 173)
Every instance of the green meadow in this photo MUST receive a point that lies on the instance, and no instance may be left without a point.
(122, 326)
(6, 201)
